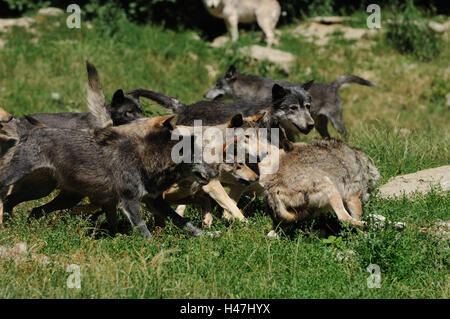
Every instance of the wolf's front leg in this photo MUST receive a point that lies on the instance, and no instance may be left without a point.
(160, 206)
(131, 209)
(232, 26)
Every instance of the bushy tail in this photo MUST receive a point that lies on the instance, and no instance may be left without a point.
(349, 78)
(96, 99)
(166, 101)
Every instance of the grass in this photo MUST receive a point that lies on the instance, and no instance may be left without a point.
(402, 123)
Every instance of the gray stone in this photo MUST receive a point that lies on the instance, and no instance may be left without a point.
(51, 12)
(284, 59)
(417, 182)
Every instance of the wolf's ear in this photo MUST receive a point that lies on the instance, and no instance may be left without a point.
(236, 121)
(256, 118)
(278, 92)
(232, 73)
(118, 97)
(170, 122)
(306, 86)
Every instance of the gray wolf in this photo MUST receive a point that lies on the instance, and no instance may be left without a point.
(265, 12)
(112, 166)
(122, 109)
(285, 108)
(326, 102)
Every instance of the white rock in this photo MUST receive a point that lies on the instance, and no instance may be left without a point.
(331, 19)
(51, 12)
(2, 43)
(6, 24)
(212, 71)
(284, 59)
(419, 181)
(220, 42)
(437, 27)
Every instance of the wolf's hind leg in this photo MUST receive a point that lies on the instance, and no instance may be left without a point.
(64, 200)
(337, 204)
(354, 206)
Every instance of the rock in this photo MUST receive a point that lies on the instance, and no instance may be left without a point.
(25, 22)
(320, 33)
(278, 57)
(212, 71)
(2, 43)
(331, 19)
(51, 12)
(447, 103)
(20, 252)
(437, 27)
(193, 56)
(220, 42)
(419, 181)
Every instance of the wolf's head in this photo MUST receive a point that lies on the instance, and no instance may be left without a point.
(124, 109)
(291, 108)
(224, 86)
(212, 4)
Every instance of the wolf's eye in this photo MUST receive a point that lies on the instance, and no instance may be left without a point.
(308, 105)
(293, 107)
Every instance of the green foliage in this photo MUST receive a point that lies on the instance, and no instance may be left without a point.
(107, 16)
(409, 35)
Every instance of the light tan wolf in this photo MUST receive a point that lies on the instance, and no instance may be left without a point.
(303, 180)
(265, 12)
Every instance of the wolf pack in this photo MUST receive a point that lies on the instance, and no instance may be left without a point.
(114, 157)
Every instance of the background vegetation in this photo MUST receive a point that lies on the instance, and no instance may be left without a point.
(402, 123)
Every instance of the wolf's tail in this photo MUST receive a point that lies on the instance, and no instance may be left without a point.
(349, 78)
(166, 101)
(96, 99)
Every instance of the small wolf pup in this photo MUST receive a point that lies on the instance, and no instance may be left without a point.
(265, 12)
(286, 108)
(326, 102)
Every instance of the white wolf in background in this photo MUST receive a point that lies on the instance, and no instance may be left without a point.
(265, 12)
